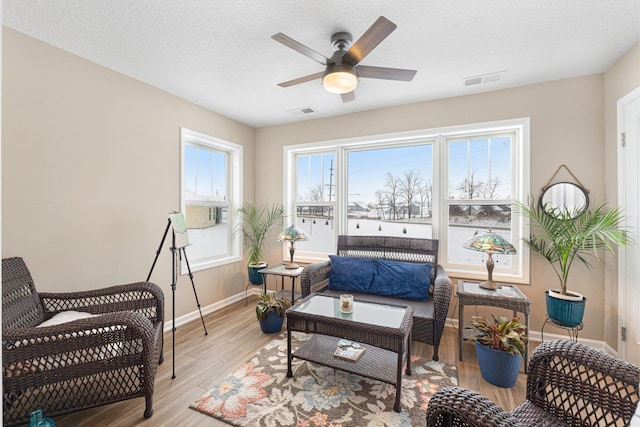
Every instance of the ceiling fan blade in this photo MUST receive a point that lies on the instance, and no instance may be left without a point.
(385, 73)
(348, 97)
(300, 48)
(369, 40)
(301, 79)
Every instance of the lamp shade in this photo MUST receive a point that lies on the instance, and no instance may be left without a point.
(292, 234)
(491, 243)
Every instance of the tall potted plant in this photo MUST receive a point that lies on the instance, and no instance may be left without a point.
(563, 236)
(256, 223)
(500, 347)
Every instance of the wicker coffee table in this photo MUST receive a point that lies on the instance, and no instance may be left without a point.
(383, 330)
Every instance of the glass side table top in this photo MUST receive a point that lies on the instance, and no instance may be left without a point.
(280, 270)
(505, 291)
(389, 316)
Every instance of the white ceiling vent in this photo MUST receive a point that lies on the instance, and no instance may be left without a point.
(300, 111)
(484, 78)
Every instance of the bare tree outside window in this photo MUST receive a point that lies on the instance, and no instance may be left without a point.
(381, 200)
(470, 188)
(409, 188)
(425, 197)
(392, 189)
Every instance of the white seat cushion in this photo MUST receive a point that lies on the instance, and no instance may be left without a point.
(66, 316)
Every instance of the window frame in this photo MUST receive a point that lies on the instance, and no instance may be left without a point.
(520, 182)
(234, 194)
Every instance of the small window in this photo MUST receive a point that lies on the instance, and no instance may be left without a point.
(211, 175)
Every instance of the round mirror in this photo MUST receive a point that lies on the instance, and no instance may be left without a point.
(564, 198)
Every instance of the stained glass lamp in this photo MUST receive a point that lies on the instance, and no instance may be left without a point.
(490, 243)
(292, 234)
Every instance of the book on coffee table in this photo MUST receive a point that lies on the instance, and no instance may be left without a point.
(348, 353)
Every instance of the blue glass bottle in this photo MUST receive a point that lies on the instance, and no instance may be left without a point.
(37, 419)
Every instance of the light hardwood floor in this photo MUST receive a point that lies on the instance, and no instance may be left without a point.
(234, 336)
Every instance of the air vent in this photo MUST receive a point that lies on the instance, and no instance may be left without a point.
(300, 111)
(484, 78)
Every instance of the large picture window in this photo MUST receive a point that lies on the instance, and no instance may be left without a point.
(211, 176)
(446, 184)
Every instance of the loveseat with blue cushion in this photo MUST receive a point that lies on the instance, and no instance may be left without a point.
(394, 270)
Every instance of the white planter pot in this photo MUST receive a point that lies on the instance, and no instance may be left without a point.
(570, 296)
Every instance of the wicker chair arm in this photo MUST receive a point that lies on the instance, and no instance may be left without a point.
(456, 406)
(597, 387)
(143, 297)
(138, 323)
(40, 349)
(312, 275)
(442, 288)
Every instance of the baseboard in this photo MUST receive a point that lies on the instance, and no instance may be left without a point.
(219, 305)
(536, 336)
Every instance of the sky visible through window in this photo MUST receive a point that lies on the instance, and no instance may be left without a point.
(368, 169)
(481, 166)
(205, 174)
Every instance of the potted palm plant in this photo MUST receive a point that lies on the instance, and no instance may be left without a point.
(500, 347)
(563, 236)
(256, 223)
(270, 312)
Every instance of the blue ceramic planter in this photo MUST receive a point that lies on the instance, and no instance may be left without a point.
(498, 367)
(272, 323)
(565, 312)
(256, 278)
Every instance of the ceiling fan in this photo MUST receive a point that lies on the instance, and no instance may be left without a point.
(342, 71)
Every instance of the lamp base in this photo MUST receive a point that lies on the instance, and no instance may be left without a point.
(490, 284)
(290, 265)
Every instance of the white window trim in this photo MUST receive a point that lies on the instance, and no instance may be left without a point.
(520, 185)
(234, 191)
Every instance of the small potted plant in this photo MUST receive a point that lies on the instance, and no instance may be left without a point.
(270, 312)
(500, 347)
(256, 223)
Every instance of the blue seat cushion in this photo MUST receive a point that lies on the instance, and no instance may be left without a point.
(396, 279)
(406, 280)
(351, 274)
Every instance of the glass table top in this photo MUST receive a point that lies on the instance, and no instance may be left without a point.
(364, 312)
(503, 291)
(281, 270)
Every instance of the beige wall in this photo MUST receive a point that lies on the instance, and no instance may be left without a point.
(566, 118)
(622, 78)
(91, 169)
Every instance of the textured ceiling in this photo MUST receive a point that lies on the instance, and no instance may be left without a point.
(220, 55)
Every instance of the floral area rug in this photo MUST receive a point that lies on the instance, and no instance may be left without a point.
(258, 393)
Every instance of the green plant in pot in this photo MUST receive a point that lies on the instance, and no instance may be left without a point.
(270, 312)
(500, 347)
(256, 224)
(563, 236)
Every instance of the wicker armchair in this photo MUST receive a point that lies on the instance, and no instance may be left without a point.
(569, 384)
(428, 317)
(83, 363)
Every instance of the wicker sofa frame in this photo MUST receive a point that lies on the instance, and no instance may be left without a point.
(82, 363)
(569, 384)
(428, 317)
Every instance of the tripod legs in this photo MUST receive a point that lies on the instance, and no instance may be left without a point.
(193, 285)
(176, 254)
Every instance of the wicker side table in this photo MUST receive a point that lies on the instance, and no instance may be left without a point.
(509, 297)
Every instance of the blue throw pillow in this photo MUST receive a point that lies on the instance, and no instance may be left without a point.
(405, 280)
(351, 274)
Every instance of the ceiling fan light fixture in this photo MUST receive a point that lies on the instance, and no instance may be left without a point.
(339, 79)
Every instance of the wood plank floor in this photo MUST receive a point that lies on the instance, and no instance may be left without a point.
(234, 336)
